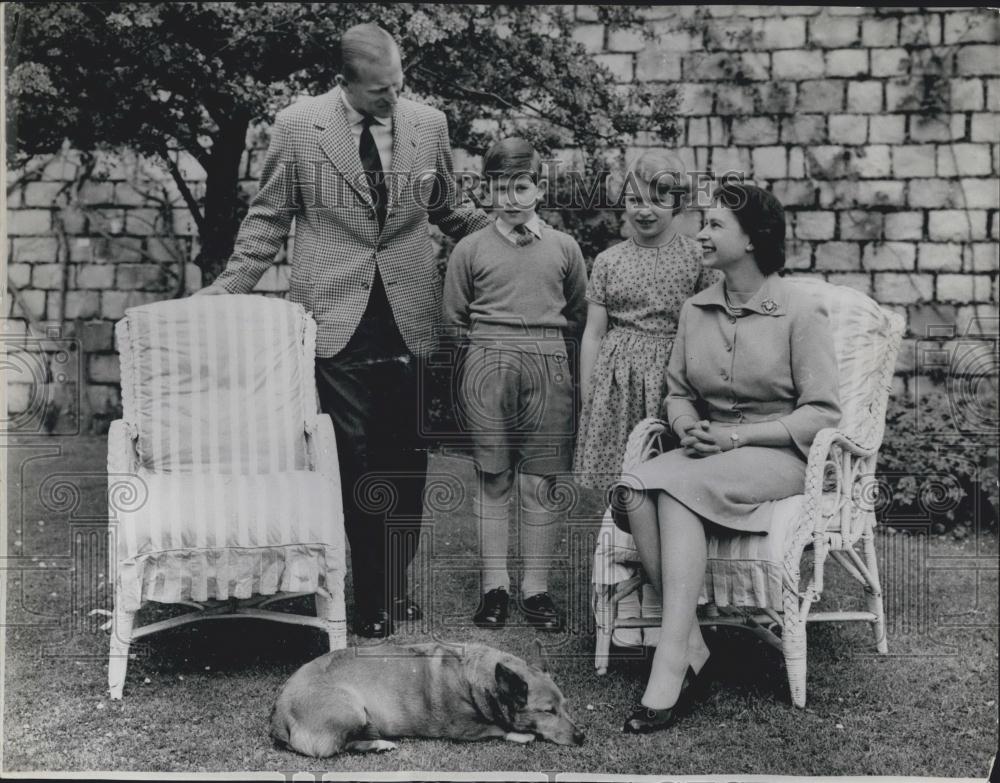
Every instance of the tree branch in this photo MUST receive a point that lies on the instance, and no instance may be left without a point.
(29, 175)
(15, 295)
(186, 194)
(469, 91)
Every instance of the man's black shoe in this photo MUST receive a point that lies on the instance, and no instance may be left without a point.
(493, 609)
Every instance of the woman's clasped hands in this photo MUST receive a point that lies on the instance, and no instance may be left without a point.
(701, 438)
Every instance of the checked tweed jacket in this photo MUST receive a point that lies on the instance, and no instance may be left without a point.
(312, 173)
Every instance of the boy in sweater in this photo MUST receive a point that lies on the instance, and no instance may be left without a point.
(516, 290)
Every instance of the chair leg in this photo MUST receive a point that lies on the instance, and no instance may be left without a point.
(602, 652)
(606, 612)
(330, 607)
(873, 592)
(121, 640)
(793, 647)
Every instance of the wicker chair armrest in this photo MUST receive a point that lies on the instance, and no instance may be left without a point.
(826, 446)
(835, 455)
(644, 442)
(835, 464)
(841, 439)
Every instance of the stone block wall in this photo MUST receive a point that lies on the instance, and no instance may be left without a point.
(878, 128)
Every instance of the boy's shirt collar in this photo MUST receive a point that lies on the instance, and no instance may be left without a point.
(534, 225)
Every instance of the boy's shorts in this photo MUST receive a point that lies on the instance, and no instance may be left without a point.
(518, 408)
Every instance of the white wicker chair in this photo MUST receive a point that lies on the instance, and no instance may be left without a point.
(224, 488)
(761, 574)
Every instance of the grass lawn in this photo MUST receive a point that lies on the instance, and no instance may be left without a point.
(197, 698)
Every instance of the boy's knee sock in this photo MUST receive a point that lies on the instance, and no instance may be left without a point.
(540, 532)
(493, 520)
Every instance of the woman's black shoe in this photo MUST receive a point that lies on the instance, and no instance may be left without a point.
(696, 684)
(643, 719)
(493, 610)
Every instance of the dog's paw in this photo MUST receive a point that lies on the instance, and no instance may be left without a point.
(371, 746)
(516, 736)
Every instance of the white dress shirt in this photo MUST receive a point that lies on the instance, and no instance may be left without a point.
(381, 131)
(534, 225)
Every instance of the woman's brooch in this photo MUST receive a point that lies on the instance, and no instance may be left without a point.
(769, 306)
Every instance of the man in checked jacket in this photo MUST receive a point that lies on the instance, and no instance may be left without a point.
(362, 171)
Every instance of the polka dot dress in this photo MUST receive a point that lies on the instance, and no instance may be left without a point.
(643, 289)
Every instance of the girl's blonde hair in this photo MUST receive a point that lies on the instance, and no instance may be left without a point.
(659, 168)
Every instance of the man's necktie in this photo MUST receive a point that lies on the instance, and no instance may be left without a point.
(372, 165)
(522, 236)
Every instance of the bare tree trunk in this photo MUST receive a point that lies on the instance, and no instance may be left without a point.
(223, 209)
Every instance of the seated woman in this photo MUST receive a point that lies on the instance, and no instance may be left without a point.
(751, 380)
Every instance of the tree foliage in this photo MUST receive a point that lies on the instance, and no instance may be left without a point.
(195, 76)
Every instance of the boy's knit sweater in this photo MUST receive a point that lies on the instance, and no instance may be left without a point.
(526, 298)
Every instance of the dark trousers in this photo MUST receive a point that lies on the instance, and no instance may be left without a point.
(371, 392)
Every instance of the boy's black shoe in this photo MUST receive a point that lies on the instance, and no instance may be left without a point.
(493, 609)
(377, 625)
(541, 612)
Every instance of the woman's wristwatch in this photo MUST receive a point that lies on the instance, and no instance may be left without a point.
(735, 438)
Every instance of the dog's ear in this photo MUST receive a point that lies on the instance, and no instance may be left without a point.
(512, 690)
(538, 658)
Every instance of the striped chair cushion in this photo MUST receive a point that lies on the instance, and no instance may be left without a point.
(199, 536)
(220, 383)
(742, 570)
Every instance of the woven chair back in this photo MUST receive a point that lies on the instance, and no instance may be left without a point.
(866, 339)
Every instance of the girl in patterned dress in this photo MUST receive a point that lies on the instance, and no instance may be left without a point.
(635, 294)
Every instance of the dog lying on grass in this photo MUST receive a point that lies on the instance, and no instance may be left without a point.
(353, 699)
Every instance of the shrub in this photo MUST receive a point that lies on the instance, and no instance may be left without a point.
(938, 463)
